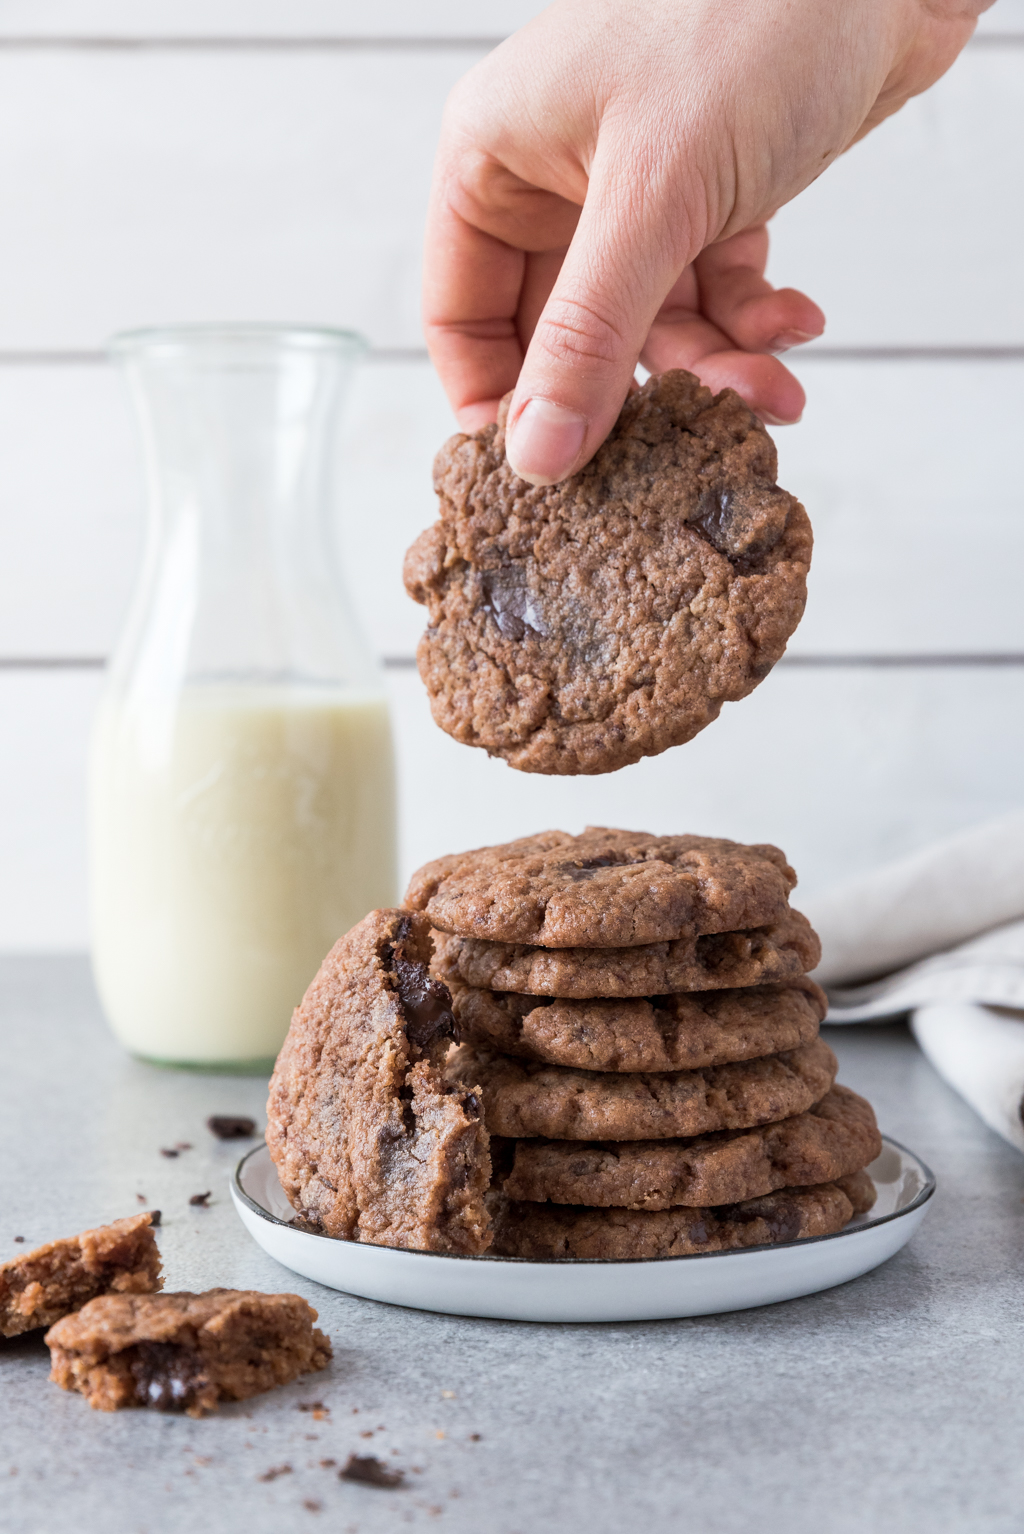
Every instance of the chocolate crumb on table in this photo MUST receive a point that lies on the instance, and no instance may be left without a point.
(274, 1471)
(201, 1200)
(39, 1287)
(229, 1126)
(368, 1470)
(185, 1352)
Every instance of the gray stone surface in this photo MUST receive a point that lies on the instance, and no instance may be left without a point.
(892, 1403)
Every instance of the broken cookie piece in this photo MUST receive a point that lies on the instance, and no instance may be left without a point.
(185, 1352)
(372, 1141)
(40, 1287)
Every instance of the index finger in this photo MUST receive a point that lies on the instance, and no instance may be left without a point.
(471, 287)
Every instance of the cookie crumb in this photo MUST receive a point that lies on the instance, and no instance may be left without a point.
(141, 1198)
(231, 1126)
(274, 1471)
(19, 1238)
(201, 1200)
(448, 1395)
(170, 1153)
(474, 1437)
(328, 1464)
(312, 1505)
(369, 1471)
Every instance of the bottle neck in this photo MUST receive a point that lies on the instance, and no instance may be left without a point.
(241, 581)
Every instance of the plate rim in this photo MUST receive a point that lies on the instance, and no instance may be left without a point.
(801, 1243)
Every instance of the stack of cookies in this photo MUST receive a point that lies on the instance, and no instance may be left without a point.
(636, 1019)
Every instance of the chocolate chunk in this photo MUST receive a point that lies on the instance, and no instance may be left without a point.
(19, 1238)
(201, 1200)
(169, 1377)
(369, 1471)
(426, 1003)
(510, 600)
(742, 524)
(170, 1154)
(228, 1126)
(274, 1471)
(154, 1217)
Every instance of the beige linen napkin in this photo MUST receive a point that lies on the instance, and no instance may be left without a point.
(940, 934)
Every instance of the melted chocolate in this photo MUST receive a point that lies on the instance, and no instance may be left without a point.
(427, 1003)
(167, 1377)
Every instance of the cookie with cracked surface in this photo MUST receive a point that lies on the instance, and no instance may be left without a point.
(548, 1231)
(185, 1352)
(782, 950)
(833, 1138)
(656, 1033)
(575, 628)
(522, 1099)
(372, 1142)
(40, 1287)
(604, 889)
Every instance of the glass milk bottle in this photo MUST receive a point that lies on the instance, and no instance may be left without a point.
(242, 794)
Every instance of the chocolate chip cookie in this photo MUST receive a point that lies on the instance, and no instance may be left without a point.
(578, 627)
(185, 1352)
(659, 1033)
(41, 1286)
(835, 1137)
(782, 950)
(525, 1099)
(546, 1231)
(371, 1141)
(603, 889)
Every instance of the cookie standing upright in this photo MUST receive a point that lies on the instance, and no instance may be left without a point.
(371, 1142)
(578, 627)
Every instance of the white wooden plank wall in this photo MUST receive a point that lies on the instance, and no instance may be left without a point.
(269, 161)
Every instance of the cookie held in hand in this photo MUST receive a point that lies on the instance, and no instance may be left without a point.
(575, 628)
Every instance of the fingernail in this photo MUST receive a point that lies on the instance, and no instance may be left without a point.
(778, 420)
(788, 338)
(545, 442)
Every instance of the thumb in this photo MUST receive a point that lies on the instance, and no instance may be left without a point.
(623, 260)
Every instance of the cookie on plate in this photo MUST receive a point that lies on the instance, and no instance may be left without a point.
(603, 889)
(833, 1138)
(578, 627)
(185, 1352)
(657, 1033)
(782, 950)
(546, 1231)
(39, 1287)
(522, 1098)
(372, 1142)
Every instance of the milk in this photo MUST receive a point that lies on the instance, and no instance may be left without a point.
(236, 834)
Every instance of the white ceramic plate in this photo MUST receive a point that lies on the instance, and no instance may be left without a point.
(572, 1289)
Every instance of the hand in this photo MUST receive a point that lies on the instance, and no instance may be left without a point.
(602, 189)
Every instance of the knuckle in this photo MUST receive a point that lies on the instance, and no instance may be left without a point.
(571, 331)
